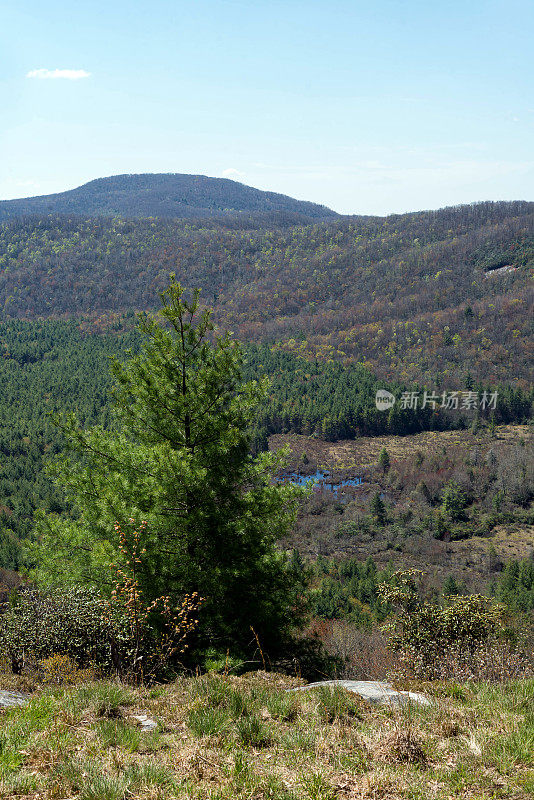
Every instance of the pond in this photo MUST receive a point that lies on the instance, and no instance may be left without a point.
(322, 480)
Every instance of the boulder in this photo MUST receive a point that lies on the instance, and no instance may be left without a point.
(372, 691)
(9, 699)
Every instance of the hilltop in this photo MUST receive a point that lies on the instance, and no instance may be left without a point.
(166, 195)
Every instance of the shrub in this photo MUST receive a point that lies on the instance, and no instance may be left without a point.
(59, 670)
(466, 637)
(151, 636)
(63, 635)
(36, 626)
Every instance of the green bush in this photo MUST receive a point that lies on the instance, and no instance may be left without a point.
(35, 626)
(433, 638)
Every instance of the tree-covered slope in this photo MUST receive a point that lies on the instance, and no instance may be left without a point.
(53, 366)
(166, 195)
(439, 297)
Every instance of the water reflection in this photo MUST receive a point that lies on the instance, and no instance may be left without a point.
(322, 480)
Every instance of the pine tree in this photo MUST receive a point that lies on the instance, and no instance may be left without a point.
(450, 587)
(378, 509)
(177, 456)
(454, 501)
(384, 460)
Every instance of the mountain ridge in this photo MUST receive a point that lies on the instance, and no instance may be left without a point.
(409, 296)
(168, 195)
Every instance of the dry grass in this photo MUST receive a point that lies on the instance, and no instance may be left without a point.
(363, 453)
(403, 747)
(220, 738)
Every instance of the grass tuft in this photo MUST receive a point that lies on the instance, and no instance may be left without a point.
(206, 721)
(338, 704)
(403, 747)
(252, 732)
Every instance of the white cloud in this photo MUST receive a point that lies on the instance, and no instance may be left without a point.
(53, 74)
(231, 172)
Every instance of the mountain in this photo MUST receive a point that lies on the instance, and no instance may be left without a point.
(443, 296)
(167, 195)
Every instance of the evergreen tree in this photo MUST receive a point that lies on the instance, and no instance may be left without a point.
(378, 509)
(454, 501)
(177, 456)
(450, 587)
(384, 460)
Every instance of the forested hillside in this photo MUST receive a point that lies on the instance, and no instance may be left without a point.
(56, 366)
(439, 297)
(167, 195)
(331, 312)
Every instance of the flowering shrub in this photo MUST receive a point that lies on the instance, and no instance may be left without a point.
(154, 634)
(59, 670)
(124, 633)
(464, 639)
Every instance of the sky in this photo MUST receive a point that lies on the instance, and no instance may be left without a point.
(373, 107)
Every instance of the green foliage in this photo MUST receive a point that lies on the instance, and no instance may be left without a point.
(36, 625)
(220, 661)
(378, 509)
(384, 460)
(176, 461)
(454, 501)
(116, 733)
(348, 589)
(62, 633)
(51, 365)
(450, 587)
(46, 367)
(427, 634)
(516, 585)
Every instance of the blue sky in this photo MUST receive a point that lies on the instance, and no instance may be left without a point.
(369, 107)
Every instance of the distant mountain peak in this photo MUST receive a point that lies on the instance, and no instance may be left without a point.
(166, 195)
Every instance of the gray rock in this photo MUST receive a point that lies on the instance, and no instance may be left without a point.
(373, 691)
(145, 723)
(9, 699)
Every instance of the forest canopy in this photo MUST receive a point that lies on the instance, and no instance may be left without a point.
(430, 297)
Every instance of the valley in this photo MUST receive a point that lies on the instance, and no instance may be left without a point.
(329, 310)
(340, 526)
